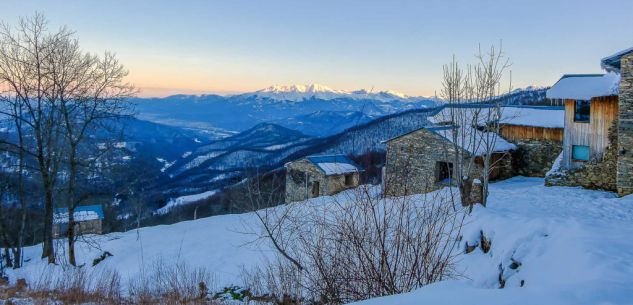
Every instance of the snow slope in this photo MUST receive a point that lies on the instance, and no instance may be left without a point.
(574, 246)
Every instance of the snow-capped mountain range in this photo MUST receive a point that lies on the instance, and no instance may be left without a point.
(301, 107)
(297, 93)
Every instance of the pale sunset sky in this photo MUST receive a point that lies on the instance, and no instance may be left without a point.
(237, 45)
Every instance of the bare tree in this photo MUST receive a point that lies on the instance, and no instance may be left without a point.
(24, 74)
(90, 90)
(58, 95)
(474, 114)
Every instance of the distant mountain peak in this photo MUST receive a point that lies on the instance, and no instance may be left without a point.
(311, 88)
(299, 93)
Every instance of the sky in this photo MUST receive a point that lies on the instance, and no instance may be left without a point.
(231, 46)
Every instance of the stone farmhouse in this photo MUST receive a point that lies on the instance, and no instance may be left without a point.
(315, 176)
(420, 161)
(598, 137)
(89, 220)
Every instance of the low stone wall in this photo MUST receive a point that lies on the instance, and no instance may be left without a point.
(534, 158)
(596, 174)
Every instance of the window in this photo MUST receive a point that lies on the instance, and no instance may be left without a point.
(580, 153)
(315, 189)
(582, 111)
(443, 171)
(349, 180)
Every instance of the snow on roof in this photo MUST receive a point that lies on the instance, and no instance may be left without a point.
(612, 63)
(537, 116)
(548, 117)
(82, 213)
(473, 140)
(585, 86)
(334, 164)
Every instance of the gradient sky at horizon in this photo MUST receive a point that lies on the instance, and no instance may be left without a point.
(235, 46)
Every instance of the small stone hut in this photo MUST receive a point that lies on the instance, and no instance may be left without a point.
(423, 160)
(598, 138)
(323, 175)
(89, 220)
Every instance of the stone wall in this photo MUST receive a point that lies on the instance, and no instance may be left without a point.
(336, 183)
(595, 174)
(534, 158)
(625, 128)
(412, 160)
(301, 176)
(83, 227)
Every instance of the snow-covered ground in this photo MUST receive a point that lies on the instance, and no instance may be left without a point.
(574, 246)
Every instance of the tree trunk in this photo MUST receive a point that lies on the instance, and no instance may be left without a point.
(465, 190)
(18, 252)
(48, 251)
(71, 206)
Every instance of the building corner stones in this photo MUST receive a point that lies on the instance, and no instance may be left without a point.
(625, 128)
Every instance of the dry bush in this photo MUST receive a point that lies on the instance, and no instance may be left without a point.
(359, 245)
(73, 285)
(276, 282)
(162, 283)
(167, 283)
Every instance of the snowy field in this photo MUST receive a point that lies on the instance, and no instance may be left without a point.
(563, 245)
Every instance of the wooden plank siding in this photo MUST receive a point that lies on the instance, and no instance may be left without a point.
(603, 112)
(515, 132)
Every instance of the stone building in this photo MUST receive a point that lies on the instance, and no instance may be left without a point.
(315, 176)
(538, 134)
(423, 160)
(598, 137)
(89, 220)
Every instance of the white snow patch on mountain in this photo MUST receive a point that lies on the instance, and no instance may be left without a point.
(185, 200)
(299, 93)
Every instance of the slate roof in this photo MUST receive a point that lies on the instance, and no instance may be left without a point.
(446, 132)
(82, 213)
(334, 164)
(612, 63)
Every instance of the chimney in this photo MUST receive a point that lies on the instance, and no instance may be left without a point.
(625, 127)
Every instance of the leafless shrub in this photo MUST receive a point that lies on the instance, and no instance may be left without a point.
(276, 282)
(172, 283)
(358, 245)
(73, 285)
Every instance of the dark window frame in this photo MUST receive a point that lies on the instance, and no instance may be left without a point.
(443, 170)
(349, 179)
(584, 106)
(316, 189)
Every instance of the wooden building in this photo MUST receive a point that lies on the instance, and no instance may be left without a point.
(591, 109)
(89, 220)
(323, 175)
(598, 139)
